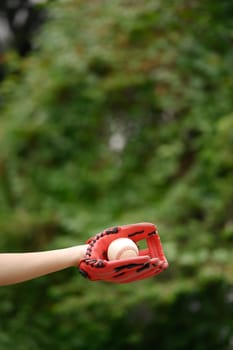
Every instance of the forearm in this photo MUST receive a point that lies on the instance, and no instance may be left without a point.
(19, 267)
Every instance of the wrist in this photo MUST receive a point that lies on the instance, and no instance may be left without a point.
(76, 253)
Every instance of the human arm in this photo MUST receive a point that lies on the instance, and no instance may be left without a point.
(20, 267)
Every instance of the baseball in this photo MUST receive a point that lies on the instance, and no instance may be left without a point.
(122, 248)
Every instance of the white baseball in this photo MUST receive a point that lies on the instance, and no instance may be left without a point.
(122, 248)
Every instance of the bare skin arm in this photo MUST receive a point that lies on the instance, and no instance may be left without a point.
(20, 267)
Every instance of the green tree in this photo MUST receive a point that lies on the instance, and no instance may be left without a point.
(123, 115)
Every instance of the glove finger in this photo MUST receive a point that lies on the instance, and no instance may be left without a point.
(114, 268)
(124, 266)
(137, 232)
(128, 272)
(151, 269)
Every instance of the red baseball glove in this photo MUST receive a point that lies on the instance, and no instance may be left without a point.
(150, 261)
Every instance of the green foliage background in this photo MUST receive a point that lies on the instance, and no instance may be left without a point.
(123, 114)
